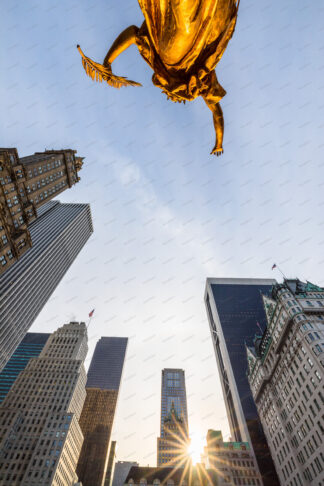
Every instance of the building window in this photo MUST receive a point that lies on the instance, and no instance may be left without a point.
(317, 349)
(318, 376)
(3, 260)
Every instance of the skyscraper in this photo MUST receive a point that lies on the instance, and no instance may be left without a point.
(30, 347)
(104, 377)
(173, 391)
(26, 183)
(111, 464)
(173, 443)
(286, 376)
(59, 233)
(40, 436)
(235, 310)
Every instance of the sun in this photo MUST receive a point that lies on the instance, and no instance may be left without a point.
(196, 447)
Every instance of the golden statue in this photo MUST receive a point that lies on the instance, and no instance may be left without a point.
(182, 41)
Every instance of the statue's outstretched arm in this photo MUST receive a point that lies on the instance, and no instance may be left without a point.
(102, 72)
(123, 41)
(218, 120)
(211, 99)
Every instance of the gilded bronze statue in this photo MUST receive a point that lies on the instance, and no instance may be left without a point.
(182, 41)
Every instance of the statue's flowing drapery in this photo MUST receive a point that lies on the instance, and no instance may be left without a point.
(183, 40)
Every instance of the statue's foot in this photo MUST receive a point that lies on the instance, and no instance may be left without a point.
(217, 151)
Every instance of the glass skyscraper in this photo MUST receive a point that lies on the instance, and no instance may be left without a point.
(58, 234)
(97, 417)
(236, 313)
(173, 442)
(30, 347)
(173, 391)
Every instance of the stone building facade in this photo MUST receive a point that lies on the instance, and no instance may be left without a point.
(286, 368)
(25, 184)
(40, 435)
(234, 462)
(172, 448)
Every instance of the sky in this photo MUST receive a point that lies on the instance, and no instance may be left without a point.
(166, 214)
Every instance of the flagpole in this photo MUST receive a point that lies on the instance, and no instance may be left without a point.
(90, 317)
(276, 266)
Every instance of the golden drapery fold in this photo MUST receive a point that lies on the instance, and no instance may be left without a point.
(183, 40)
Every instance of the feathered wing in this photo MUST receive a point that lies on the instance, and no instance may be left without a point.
(98, 72)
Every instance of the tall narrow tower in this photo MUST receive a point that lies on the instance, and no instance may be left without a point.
(97, 418)
(235, 312)
(173, 391)
(59, 233)
(173, 443)
(40, 436)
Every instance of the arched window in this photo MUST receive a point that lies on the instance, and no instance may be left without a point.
(130, 482)
(143, 482)
(156, 482)
(170, 482)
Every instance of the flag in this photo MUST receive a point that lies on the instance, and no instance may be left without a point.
(91, 313)
(259, 327)
(273, 266)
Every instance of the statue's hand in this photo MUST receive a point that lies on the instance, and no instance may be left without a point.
(217, 151)
(107, 65)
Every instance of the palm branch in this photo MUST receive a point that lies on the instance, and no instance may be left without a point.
(98, 72)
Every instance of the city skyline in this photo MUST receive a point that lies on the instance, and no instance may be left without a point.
(165, 221)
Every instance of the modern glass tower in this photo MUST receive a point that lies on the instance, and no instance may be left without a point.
(235, 312)
(98, 412)
(58, 234)
(173, 391)
(30, 347)
(173, 442)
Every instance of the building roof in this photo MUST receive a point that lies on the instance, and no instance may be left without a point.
(151, 473)
(176, 474)
(30, 159)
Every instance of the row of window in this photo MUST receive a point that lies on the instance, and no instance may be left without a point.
(43, 168)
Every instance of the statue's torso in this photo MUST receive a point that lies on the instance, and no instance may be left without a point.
(181, 29)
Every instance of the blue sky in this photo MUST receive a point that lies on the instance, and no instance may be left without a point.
(166, 213)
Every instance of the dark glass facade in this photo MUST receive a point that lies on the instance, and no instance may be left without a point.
(107, 363)
(30, 347)
(97, 417)
(239, 308)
